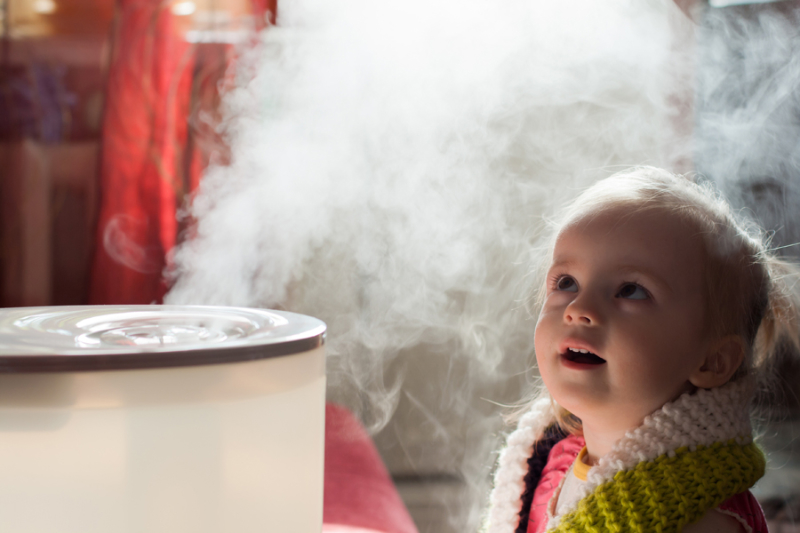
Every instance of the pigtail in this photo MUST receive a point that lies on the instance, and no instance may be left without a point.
(778, 334)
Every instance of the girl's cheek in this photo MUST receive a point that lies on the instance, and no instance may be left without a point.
(554, 299)
(542, 332)
(542, 323)
(553, 309)
(538, 332)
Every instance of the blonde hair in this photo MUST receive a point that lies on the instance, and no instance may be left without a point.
(750, 292)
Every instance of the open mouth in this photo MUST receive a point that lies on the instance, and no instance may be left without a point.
(584, 357)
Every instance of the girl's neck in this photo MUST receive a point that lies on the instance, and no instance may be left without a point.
(599, 443)
(601, 435)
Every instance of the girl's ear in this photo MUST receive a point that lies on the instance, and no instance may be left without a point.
(722, 360)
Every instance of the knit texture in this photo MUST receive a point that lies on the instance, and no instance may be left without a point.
(716, 419)
(505, 501)
(666, 494)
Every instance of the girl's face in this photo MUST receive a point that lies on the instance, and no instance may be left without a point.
(629, 290)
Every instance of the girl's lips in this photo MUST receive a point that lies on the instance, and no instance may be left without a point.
(579, 355)
(579, 364)
(576, 344)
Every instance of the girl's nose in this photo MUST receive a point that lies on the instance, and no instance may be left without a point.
(580, 312)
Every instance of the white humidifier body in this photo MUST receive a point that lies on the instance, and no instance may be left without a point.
(161, 419)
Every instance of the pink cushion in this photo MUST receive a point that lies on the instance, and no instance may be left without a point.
(336, 528)
(359, 494)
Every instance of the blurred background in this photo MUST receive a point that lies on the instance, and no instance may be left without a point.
(169, 150)
(108, 108)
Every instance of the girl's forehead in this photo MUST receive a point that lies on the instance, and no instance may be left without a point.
(611, 222)
(650, 239)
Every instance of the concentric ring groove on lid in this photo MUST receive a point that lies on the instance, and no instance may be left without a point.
(85, 338)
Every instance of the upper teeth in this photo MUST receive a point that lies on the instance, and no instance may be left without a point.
(578, 350)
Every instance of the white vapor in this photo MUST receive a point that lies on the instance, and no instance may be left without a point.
(392, 166)
(747, 134)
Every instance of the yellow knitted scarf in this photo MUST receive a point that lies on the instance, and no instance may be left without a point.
(669, 492)
(685, 458)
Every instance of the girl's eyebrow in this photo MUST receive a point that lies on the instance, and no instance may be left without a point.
(647, 272)
(561, 264)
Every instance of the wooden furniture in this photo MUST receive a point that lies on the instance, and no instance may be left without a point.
(39, 184)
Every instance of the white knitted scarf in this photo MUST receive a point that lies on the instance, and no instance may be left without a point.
(700, 418)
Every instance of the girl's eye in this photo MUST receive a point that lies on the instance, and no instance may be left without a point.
(566, 283)
(632, 291)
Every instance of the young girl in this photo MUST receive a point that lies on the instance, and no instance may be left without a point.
(659, 314)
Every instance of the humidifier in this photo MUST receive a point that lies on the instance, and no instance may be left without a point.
(161, 419)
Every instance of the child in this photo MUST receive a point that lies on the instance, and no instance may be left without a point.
(658, 314)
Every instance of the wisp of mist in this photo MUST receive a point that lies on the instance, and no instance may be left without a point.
(393, 166)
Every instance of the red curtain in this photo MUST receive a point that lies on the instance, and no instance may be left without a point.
(144, 132)
(151, 159)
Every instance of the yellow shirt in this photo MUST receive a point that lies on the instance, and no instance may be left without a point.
(569, 493)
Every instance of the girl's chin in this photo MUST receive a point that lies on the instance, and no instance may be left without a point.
(584, 403)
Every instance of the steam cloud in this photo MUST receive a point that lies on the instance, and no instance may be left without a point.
(120, 242)
(748, 112)
(393, 166)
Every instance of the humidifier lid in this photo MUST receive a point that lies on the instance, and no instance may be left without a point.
(83, 338)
